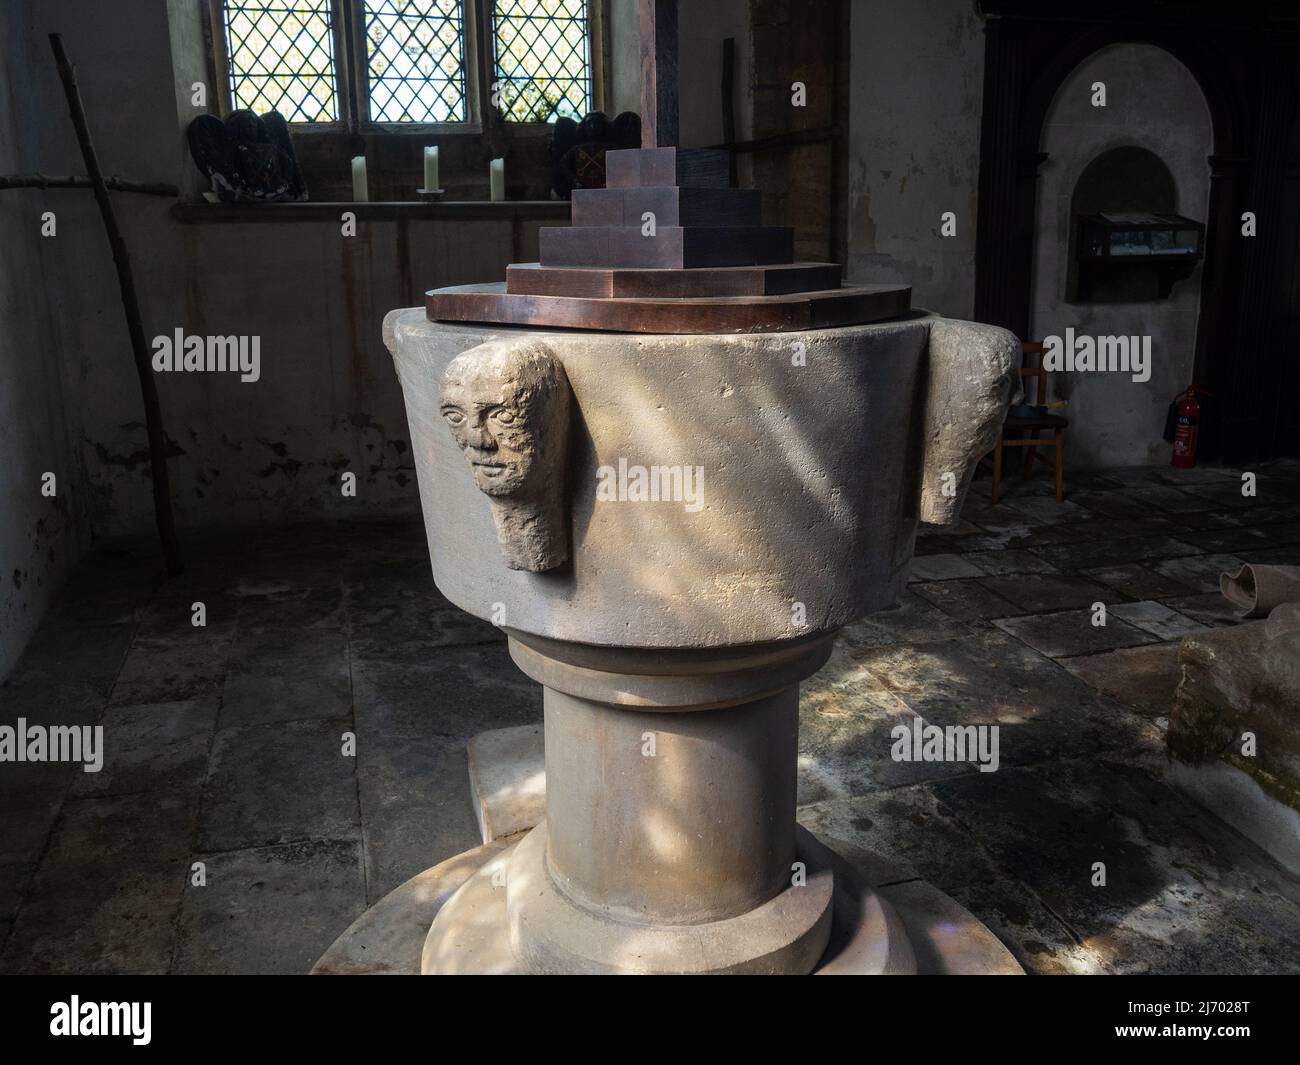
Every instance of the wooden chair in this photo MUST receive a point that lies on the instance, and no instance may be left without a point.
(1025, 423)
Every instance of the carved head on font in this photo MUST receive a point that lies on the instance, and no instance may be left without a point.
(507, 405)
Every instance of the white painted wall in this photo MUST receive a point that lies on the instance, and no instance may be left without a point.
(701, 30)
(1153, 102)
(40, 537)
(624, 77)
(916, 76)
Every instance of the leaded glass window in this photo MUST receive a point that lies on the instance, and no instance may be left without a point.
(415, 57)
(281, 58)
(407, 62)
(543, 59)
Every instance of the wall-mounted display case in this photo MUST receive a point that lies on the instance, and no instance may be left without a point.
(1169, 244)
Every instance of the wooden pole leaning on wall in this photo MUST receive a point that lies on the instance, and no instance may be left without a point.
(131, 306)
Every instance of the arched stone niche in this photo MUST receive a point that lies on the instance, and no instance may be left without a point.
(1127, 178)
(1153, 105)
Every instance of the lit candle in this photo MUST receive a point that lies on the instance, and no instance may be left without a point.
(430, 168)
(360, 190)
(498, 176)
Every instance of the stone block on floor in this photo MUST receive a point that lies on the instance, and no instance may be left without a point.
(286, 675)
(1047, 591)
(153, 747)
(1002, 563)
(1157, 619)
(249, 799)
(1238, 706)
(457, 691)
(283, 605)
(172, 669)
(934, 847)
(1136, 581)
(1072, 632)
(847, 718)
(966, 600)
(104, 897)
(913, 620)
(269, 910)
(1209, 608)
(1041, 711)
(1200, 572)
(1143, 679)
(416, 806)
(942, 567)
(1089, 555)
(1183, 892)
(507, 780)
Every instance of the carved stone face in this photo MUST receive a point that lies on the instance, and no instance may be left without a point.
(507, 406)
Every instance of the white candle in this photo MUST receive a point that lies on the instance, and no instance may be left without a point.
(498, 179)
(360, 190)
(430, 168)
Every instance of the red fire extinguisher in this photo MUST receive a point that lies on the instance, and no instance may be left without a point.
(1188, 418)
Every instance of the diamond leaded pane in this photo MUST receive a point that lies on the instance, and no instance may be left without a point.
(543, 59)
(282, 58)
(416, 60)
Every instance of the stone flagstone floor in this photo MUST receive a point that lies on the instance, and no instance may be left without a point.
(225, 742)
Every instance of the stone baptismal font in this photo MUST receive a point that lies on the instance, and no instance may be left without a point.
(671, 463)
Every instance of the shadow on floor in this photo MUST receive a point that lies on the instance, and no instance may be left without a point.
(271, 773)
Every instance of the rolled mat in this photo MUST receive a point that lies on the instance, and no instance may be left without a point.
(1256, 590)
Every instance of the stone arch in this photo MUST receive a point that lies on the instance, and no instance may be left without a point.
(1241, 70)
(1147, 149)
(1128, 177)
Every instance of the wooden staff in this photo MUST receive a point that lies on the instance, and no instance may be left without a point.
(131, 305)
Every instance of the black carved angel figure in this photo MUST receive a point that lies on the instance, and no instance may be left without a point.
(578, 149)
(248, 157)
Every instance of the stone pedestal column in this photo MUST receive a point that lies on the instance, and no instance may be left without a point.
(670, 813)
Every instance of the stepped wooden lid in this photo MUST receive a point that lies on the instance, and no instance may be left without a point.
(668, 246)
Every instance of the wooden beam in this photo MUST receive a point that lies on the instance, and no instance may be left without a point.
(43, 181)
(782, 140)
(658, 73)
